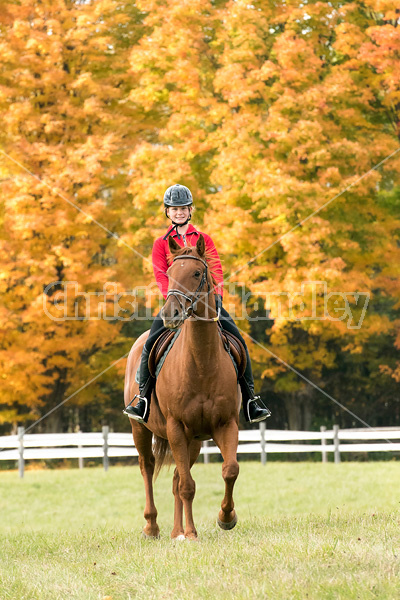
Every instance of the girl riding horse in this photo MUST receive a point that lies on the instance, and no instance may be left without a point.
(178, 206)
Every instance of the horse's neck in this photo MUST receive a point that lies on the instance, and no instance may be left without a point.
(201, 340)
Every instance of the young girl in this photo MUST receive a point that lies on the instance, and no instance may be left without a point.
(178, 205)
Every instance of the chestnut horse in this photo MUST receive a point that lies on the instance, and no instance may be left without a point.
(196, 396)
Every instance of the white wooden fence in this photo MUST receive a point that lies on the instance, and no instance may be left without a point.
(106, 444)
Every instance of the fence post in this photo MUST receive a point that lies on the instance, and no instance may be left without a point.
(336, 443)
(262, 441)
(206, 456)
(21, 460)
(80, 459)
(323, 443)
(105, 447)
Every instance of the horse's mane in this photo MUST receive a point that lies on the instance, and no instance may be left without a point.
(208, 257)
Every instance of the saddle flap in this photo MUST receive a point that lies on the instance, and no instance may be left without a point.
(158, 349)
(237, 350)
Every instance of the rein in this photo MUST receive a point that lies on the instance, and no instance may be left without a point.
(196, 295)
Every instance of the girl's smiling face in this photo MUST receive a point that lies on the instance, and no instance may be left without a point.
(178, 214)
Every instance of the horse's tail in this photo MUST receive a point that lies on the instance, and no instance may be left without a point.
(162, 453)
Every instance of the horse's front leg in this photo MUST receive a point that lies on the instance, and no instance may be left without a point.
(183, 481)
(143, 439)
(226, 438)
(177, 532)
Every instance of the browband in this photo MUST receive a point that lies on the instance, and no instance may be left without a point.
(191, 257)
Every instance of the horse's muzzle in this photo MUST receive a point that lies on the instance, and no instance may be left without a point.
(172, 324)
(174, 321)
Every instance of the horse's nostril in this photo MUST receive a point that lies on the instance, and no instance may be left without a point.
(176, 313)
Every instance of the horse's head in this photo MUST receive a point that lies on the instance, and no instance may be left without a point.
(190, 290)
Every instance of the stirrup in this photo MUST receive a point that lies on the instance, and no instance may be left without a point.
(254, 413)
(140, 412)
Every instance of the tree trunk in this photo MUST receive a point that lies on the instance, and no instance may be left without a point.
(298, 408)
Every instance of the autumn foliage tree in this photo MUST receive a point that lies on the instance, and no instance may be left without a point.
(281, 117)
(66, 127)
(269, 113)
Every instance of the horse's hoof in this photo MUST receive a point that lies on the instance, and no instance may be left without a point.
(227, 526)
(150, 537)
(179, 538)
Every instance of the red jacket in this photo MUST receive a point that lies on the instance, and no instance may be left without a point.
(161, 253)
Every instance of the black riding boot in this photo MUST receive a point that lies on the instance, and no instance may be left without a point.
(141, 411)
(252, 412)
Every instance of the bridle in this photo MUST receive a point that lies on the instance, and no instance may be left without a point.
(189, 311)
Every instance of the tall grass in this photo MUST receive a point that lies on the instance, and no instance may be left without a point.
(305, 531)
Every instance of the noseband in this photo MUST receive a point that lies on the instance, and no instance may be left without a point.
(195, 297)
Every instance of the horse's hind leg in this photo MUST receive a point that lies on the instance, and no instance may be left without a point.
(143, 439)
(177, 532)
(226, 439)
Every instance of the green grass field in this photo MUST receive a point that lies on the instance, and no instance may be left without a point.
(305, 531)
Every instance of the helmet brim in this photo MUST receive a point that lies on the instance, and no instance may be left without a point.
(171, 203)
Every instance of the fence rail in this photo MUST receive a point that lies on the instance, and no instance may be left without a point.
(105, 444)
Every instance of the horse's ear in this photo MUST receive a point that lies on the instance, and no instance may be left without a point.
(201, 246)
(173, 245)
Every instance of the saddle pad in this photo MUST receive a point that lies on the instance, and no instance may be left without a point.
(160, 349)
(235, 348)
(159, 352)
(162, 358)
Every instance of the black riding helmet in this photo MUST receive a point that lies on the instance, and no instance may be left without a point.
(177, 195)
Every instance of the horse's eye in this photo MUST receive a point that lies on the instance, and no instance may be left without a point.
(197, 274)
